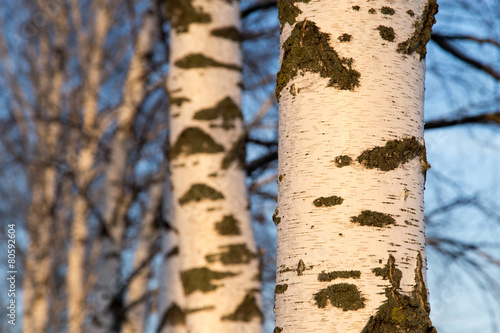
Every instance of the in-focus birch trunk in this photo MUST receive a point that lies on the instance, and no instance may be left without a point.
(351, 243)
(217, 259)
(118, 199)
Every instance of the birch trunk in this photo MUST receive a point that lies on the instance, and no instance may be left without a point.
(39, 262)
(351, 243)
(76, 275)
(209, 207)
(138, 291)
(109, 277)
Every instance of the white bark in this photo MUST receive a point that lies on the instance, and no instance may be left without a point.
(318, 123)
(218, 268)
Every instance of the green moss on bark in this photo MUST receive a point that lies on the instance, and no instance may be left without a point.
(276, 219)
(280, 288)
(246, 311)
(194, 141)
(182, 13)
(288, 12)
(231, 33)
(373, 219)
(234, 254)
(226, 109)
(341, 295)
(400, 312)
(328, 201)
(327, 277)
(393, 154)
(342, 161)
(387, 10)
(345, 38)
(201, 279)
(308, 49)
(199, 192)
(198, 60)
(386, 33)
(422, 31)
(228, 226)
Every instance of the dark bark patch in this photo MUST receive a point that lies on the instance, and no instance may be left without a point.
(308, 49)
(345, 38)
(205, 308)
(177, 101)
(410, 12)
(288, 12)
(280, 288)
(400, 312)
(228, 226)
(201, 279)
(246, 311)
(342, 161)
(278, 329)
(182, 13)
(328, 201)
(198, 60)
(341, 295)
(422, 32)
(173, 252)
(194, 140)
(174, 316)
(238, 152)
(373, 219)
(234, 254)
(386, 33)
(301, 267)
(393, 154)
(231, 33)
(199, 192)
(356, 8)
(226, 109)
(372, 11)
(387, 10)
(327, 277)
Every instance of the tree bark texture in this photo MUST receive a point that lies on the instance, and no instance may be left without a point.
(350, 219)
(209, 213)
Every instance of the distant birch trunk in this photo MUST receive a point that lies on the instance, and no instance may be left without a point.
(118, 200)
(216, 254)
(351, 244)
(138, 291)
(77, 276)
(39, 262)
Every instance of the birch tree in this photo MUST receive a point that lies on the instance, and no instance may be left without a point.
(352, 163)
(216, 254)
